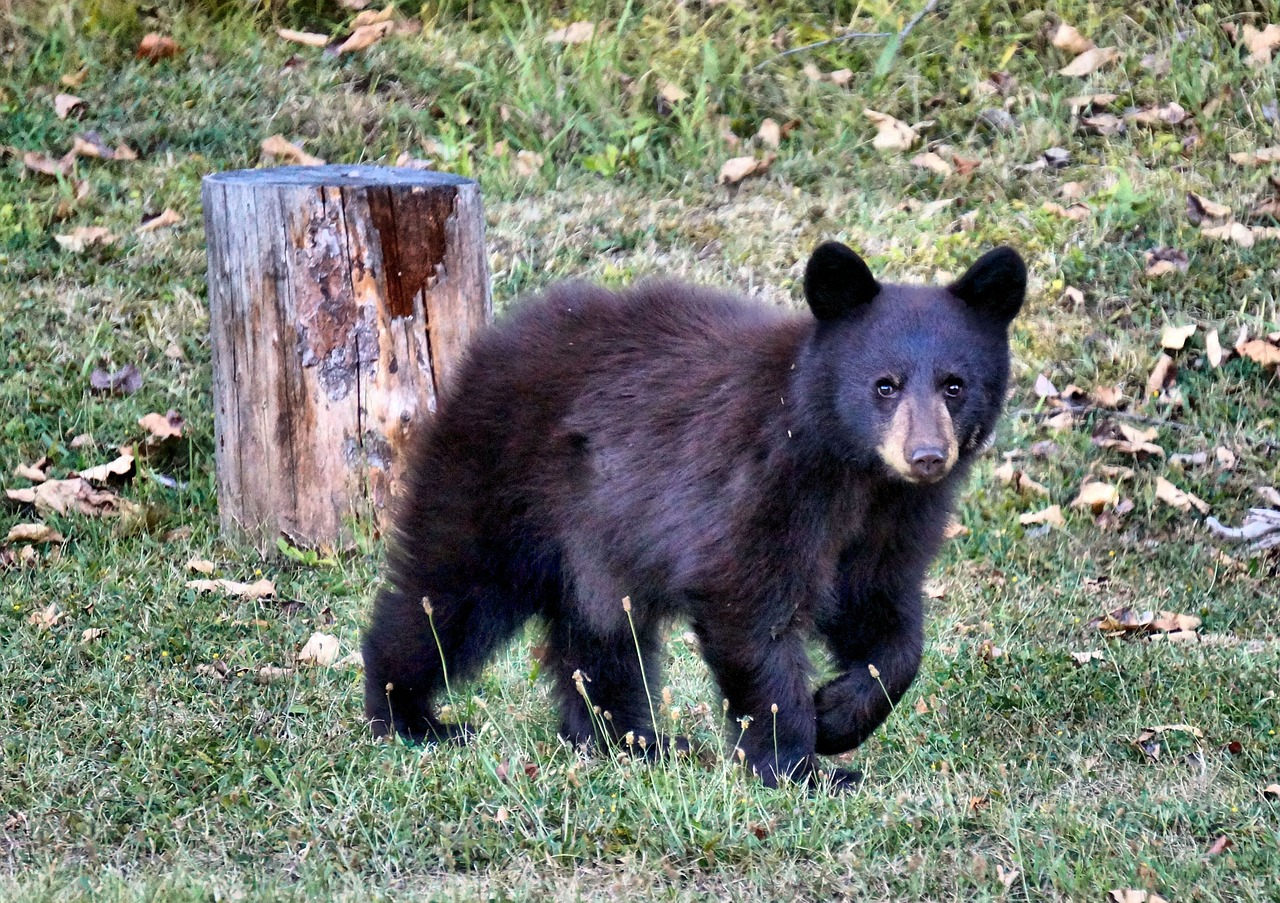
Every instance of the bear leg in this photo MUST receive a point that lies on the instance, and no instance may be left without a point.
(854, 704)
(600, 682)
(767, 680)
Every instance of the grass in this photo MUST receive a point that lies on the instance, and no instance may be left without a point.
(128, 774)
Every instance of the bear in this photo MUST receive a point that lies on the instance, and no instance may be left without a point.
(611, 461)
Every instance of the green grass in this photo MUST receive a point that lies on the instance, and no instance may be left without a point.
(128, 774)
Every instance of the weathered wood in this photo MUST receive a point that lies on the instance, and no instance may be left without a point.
(340, 300)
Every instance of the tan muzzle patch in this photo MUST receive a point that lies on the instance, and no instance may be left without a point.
(919, 444)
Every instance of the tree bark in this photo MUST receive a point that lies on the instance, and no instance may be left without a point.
(341, 299)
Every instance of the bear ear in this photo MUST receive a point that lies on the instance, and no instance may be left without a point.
(995, 284)
(836, 281)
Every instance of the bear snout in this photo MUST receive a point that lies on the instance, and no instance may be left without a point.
(929, 463)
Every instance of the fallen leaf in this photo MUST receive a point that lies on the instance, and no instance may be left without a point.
(72, 495)
(200, 566)
(1135, 896)
(258, 590)
(46, 165)
(1258, 157)
(277, 147)
(162, 427)
(124, 381)
(1170, 114)
(527, 163)
(1213, 348)
(1223, 843)
(1105, 124)
(309, 38)
(1051, 516)
(118, 469)
(1272, 790)
(1127, 439)
(63, 104)
(1068, 38)
(840, 77)
(576, 33)
(1108, 396)
(48, 617)
(320, 650)
(1162, 375)
(1183, 501)
(1083, 658)
(1261, 351)
(955, 529)
(770, 134)
(31, 473)
(1224, 457)
(268, 673)
(1261, 44)
(1062, 421)
(91, 144)
(1085, 101)
(891, 133)
(1095, 496)
(1090, 61)
(1164, 261)
(374, 16)
(738, 168)
(89, 634)
(933, 163)
(1201, 208)
(169, 217)
(155, 47)
(81, 238)
(1076, 212)
(1044, 388)
(364, 37)
(34, 533)
(1174, 338)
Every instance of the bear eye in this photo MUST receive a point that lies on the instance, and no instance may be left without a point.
(953, 388)
(885, 388)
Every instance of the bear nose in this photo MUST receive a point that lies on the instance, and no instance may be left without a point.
(928, 463)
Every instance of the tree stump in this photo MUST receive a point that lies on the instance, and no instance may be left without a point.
(340, 300)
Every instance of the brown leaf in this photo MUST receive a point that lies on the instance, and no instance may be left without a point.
(1174, 338)
(155, 47)
(891, 134)
(374, 16)
(48, 617)
(1127, 439)
(200, 566)
(1170, 114)
(738, 168)
(46, 165)
(770, 134)
(1105, 124)
(1201, 208)
(321, 650)
(1068, 38)
(364, 37)
(1261, 351)
(118, 469)
(840, 77)
(169, 217)
(1090, 61)
(576, 33)
(932, 162)
(1183, 501)
(1083, 658)
(1261, 44)
(71, 495)
(89, 634)
(1223, 843)
(63, 104)
(82, 237)
(965, 166)
(1164, 261)
(1108, 396)
(124, 381)
(1085, 101)
(1213, 348)
(1051, 516)
(1258, 157)
(257, 590)
(309, 38)
(527, 163)
(33, 473)
(1134, 896)
(1162, 375)
(1095, 496)
(955, 529)
(1272, 790)
(34, 533)
(277, 147)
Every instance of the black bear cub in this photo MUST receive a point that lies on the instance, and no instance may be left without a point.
(768, 477)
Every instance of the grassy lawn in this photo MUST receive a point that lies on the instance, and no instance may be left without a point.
(151, 759)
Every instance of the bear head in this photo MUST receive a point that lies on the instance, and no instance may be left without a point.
(911, 378)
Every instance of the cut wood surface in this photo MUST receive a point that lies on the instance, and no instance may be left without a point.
(340, 300)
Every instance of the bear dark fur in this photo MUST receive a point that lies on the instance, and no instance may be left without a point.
(765, 475)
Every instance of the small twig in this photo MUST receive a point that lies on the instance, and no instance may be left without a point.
(855, 36)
